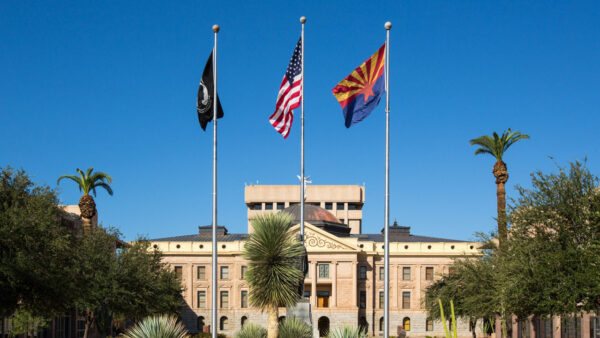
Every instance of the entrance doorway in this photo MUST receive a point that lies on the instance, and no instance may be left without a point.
(323, 325)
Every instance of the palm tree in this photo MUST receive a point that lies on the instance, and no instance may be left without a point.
(87, 182)
(496, 146)
(272, 252)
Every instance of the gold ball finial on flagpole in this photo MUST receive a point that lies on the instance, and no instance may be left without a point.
(216, 28)
(302, 19)
(388, 25)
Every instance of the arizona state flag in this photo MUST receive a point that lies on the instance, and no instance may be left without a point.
(205, 101)
(359, 93)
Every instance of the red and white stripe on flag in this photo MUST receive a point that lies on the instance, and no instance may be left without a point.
(288, 98)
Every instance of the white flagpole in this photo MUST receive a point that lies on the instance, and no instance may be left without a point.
(214, 218)
(302, 183)
(386, 285)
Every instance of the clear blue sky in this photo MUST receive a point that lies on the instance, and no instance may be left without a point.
(113, 85)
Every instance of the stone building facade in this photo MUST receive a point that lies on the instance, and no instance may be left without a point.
(345, 278)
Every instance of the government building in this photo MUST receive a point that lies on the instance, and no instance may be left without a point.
(345, 278)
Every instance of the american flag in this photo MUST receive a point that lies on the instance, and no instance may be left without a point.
(289, 94)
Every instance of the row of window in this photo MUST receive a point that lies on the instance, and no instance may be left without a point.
(406, 275)
(223, 299)
(323, 272)
(201, 272)
(328, 206)
(363, 299)
(406, 324)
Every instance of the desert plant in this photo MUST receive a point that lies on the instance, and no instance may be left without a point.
(347, 332)
(251, 330)
(293, 327)
(157, 327)
(449, 334)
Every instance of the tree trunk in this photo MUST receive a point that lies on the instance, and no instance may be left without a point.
(272, 321)
(473, 325)
(501, 173)
(89, 320)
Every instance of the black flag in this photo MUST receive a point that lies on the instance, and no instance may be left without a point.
(204, 105)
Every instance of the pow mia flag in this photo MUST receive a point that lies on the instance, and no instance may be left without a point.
(204, 104)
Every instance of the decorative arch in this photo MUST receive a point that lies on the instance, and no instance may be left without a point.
(323, 325)
(244, 320)
(363, 324)
(200, 324)
(381, 322)
(224, 323)
(281, 319)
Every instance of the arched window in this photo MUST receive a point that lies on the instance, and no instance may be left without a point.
(224, 324)
(429, 325)
(363, 324)
(200, 323)
(281, 319)
(381, 324)
(406, 324)
(244, 320)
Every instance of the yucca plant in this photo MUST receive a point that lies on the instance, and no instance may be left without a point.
(251, 330)
(449, 334)
(348, 332)
(157, 327)
(272, 252)
(293, 327)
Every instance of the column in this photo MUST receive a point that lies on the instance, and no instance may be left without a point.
(313, 285)
(394, 291)
(190, 284)
(334, 284)
(556, 327)
(585, 325)
(354, 284)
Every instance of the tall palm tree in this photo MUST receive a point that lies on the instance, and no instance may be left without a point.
(496, 146)
(272, 253)
(87, 182)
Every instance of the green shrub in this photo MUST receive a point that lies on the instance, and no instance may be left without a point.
(207, 335)
(251, 330)
(347, 332)
(157, 327)
(293, 327)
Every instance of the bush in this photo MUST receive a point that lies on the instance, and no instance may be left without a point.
(293, 327)
(347, 332)
(157, 327)
(251, 330)
(207, 335)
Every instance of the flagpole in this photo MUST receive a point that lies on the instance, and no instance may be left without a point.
(386, 242)
(215, 29)
(302, 183)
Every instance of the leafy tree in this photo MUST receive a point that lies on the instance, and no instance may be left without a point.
(497, 146)
(87, 182)
(272, 252)
(37, 258)
(553, 255)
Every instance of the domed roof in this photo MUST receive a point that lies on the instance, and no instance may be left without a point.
(318, 217)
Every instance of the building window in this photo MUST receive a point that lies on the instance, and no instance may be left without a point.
(429, 273)
(224, 324)
(329, 206)
(179, 272)
(244, 268)
(363, 300)
(224, 299)
(280, 206)
(323, 270)
(406, 273)
(224, 272)
(381, 324)
(306, 294)
(244, 320)
(381, 294)
(257, 206)
(244, 297)
(429, 325)
(381, 273)
(406, 324)
(406, 300)
(201, 299)
(339, 206)
(201, 273)
(200, 324)
(268, 206)
(362, 272)
(352, 206)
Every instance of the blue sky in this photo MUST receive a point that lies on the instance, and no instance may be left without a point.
(112, 85)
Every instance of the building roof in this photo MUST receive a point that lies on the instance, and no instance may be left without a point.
(410, 238)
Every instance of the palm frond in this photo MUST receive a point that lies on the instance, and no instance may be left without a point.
(102, 185)
(157, 327)
(252, 330)
(90, 181)
(496, 145)
(347, 332)
(101, 176)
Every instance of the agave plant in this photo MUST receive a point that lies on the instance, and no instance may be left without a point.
(251, 330)
(157, 327)
(293, 327)
(348, 332)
